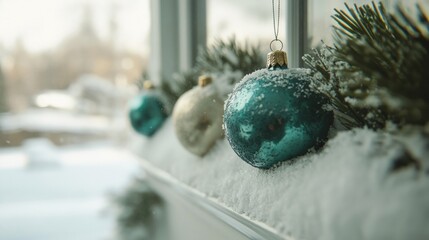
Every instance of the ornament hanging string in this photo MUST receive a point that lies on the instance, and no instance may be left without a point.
(276, 26)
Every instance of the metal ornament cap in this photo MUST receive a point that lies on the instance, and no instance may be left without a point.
(147, 85)
(204, 80)
(197, 118)
(276, 58)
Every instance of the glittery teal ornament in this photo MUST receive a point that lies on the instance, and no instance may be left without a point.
(273, 115)
(147, 111)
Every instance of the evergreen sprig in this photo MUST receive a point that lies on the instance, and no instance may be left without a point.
(179, 84)
(137, 210)
(218, 59)
(375, 71)
(229, 55)
(324, 65)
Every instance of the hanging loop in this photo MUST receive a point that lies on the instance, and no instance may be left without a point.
(276, 40)
(276, 28)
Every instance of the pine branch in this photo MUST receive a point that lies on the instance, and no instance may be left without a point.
(229, 56)
(220, 58)
(136, 213)
(384, 56)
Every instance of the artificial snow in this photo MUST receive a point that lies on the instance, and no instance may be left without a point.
(276, 76)
(347, 190)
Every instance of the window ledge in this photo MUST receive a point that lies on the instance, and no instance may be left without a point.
(345, 191)
(165, 184)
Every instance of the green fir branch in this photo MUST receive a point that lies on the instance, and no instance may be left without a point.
(218, 59)
(383, 57)
(228, 55)
(136, 210)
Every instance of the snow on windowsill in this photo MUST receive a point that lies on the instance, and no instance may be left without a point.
(345, 191)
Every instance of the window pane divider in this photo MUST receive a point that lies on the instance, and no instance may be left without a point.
(297, 31)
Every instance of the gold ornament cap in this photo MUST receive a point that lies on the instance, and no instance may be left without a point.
(204, 80)
(276, 58)
(147, 85)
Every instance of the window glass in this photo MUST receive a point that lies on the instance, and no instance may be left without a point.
(320, 12)
(67, 70)
(69, 56)
(320, 21)
(247, 20)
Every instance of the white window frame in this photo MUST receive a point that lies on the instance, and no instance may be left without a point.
(179, 29)
(297, 32)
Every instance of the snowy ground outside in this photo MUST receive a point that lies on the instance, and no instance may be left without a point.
(62, 198)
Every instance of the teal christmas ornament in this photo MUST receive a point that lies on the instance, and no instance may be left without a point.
(147, 111)
(273, 115)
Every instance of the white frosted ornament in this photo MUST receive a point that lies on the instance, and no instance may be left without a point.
(197, 117)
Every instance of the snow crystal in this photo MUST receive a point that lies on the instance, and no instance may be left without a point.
(350, 100)
(224, 81)
(372, 101)
(277, 76)
(231, 56)
(347, 190)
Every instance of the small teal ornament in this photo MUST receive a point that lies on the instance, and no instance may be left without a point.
(147, 112)
(273, 115)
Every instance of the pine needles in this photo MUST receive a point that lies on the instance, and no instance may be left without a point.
(138, 209)
(375, 72)
(221, 58)
(228, 55)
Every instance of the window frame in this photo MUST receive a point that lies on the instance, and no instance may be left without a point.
(178, 29)
(297, 32)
